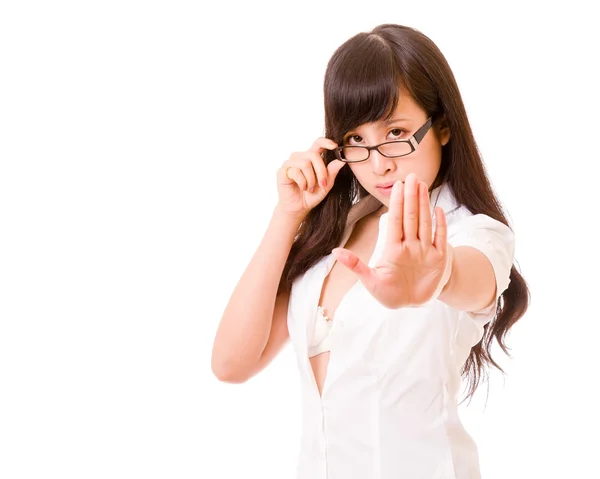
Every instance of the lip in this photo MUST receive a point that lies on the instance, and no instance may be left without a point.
(386, 188)
(387, 184)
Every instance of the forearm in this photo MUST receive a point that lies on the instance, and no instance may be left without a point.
(246, 322)
(472, 283)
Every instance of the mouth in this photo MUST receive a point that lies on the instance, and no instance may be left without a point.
(386, 188)
(389, 184)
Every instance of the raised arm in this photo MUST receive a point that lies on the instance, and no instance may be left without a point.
(253, 328)
(253, 313)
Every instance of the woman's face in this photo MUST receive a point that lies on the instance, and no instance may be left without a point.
(379, 171)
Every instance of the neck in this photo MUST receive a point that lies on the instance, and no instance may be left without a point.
(381, 211)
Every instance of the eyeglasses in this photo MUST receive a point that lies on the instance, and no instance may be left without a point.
(389, 149)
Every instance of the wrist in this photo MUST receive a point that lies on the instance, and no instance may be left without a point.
(445, 282)
(281, 214)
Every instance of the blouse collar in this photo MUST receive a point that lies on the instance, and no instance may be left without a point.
(440, 196)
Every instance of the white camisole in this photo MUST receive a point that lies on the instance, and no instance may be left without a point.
(321, 335)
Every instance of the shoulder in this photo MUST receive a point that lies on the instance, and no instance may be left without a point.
(491, 237)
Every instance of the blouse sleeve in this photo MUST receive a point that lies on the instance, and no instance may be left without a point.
(497, 242)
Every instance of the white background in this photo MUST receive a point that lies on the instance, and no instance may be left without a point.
(139, 143)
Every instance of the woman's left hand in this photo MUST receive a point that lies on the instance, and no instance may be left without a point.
(414, 267)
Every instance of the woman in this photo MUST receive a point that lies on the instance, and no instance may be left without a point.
(388, 262)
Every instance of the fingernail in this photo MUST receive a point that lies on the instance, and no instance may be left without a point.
(324, 182)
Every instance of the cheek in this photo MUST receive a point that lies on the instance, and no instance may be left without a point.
(430, 172)
(360, 170)
(429, 164)
(426, 170)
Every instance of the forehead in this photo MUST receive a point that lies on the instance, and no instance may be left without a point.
(406, 105)
(407, 110)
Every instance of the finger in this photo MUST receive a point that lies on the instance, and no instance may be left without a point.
(411, 208)
(321, 144)
(333, 169)
(395, 212)
(302, 162)
(320, 169)
(311, 177)
(424, 215)
(315, 153)
(297, 176)
(283, 174)
(354, 264)
(441, 229)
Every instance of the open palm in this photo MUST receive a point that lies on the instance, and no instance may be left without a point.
(413, 267)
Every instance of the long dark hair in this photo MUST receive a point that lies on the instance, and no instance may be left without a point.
(362, 83)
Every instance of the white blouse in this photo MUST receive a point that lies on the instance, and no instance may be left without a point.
(389, 404)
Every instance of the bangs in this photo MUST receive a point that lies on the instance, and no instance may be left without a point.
(361, 84)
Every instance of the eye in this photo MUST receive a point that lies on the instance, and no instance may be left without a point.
(397, 132)
(354, 139)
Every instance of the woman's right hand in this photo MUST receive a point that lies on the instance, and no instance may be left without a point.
(308, 180)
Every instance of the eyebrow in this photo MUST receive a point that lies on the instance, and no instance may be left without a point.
(393, 120)
(386, 122)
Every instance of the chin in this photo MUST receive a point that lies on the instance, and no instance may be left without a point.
(385, 200)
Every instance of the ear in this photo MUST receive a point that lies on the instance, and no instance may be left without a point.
(443, 130)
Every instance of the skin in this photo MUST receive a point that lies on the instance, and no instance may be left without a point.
(424, 162)
(421, 266)
(412, 269)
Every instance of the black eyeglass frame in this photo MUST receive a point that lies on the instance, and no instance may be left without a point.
(413, 142)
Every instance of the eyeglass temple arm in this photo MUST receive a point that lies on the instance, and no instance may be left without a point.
(420, 133)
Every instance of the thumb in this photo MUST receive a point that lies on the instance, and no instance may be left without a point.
(333, 169)
(354, 264)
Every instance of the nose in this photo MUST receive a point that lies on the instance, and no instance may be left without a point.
(381, 164)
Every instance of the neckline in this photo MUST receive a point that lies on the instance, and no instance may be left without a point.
(441, 195)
